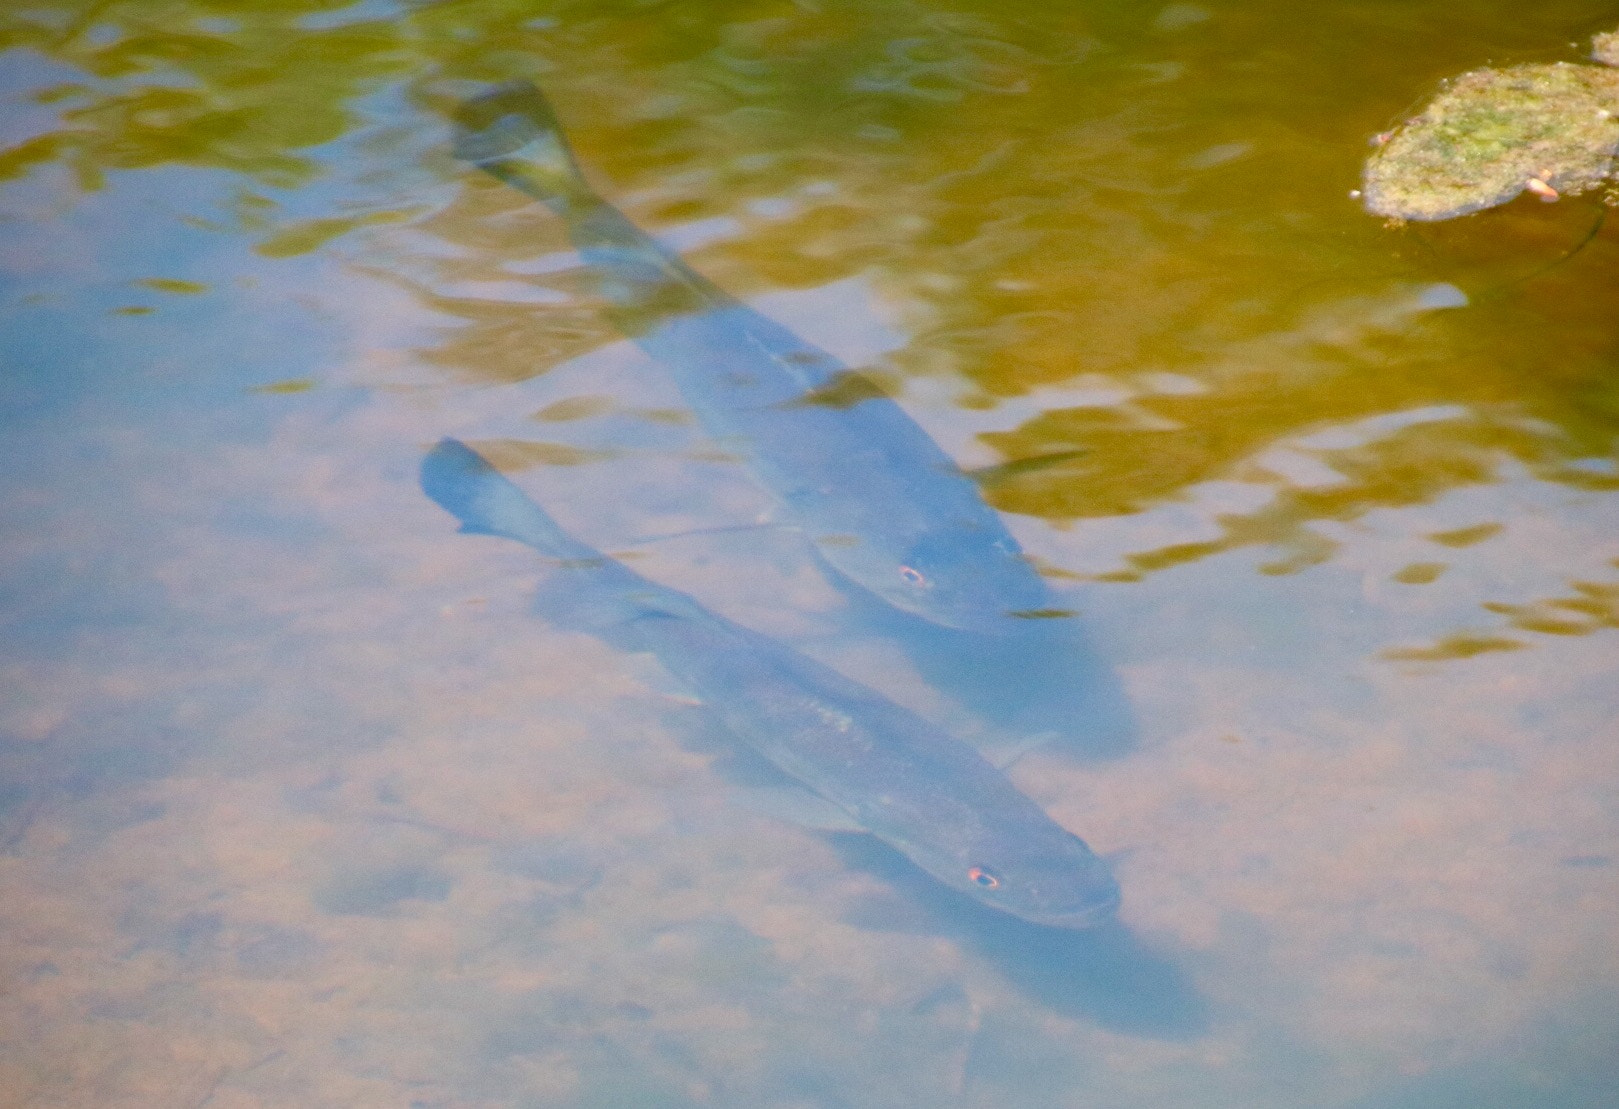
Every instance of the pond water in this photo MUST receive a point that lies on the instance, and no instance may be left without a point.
(301, 805)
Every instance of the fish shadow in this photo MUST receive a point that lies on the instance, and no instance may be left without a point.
(1104, 974)
(1046, 676)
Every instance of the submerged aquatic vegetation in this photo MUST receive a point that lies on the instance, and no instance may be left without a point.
(1494, 133)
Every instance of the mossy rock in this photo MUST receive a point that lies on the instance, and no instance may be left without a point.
(1494, 132)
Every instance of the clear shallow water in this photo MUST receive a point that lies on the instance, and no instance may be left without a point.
(299, 805)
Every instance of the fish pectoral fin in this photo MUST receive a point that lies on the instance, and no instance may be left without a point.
(1002, 755)
(990, 476)
(723, 529)
(1122, 855)
(798, 806)
(645, 668)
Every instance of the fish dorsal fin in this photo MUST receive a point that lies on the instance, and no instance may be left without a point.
(645, 668)
(1002, 755)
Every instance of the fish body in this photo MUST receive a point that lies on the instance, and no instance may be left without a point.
(883, 504)
(889, 772)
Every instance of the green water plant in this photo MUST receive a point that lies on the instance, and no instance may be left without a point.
(1491, 134)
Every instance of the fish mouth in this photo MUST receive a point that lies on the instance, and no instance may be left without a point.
(1092, 914)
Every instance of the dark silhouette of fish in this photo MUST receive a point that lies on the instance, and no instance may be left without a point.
(883, 504)
(863, 762)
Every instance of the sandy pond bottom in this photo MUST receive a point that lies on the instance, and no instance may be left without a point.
(328, 819)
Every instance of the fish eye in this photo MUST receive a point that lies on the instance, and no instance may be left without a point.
(982, 878)
(912, 575)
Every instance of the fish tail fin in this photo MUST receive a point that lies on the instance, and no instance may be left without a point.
(464, 484)
(512, 132)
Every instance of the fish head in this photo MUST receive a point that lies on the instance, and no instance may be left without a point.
(960, 578)
(1067, 888)
(1047, 876)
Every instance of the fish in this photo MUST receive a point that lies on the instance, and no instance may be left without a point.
(857, 761)
(884, 506)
